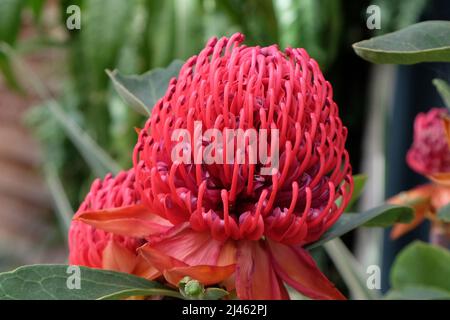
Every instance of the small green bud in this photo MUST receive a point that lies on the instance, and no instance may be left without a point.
(191, 288)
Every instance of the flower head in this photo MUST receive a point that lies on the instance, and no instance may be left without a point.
(228, 223)
(429, 155)
(232, 86)
(96, 248)
(430, 151)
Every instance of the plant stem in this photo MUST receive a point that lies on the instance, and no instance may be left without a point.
(63, 208)
(349, 269)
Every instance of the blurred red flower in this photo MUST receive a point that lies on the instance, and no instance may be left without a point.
(429, 155)
(430, 151)
(95, 248)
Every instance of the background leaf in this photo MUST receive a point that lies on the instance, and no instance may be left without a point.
(104, 27)
(320, 22)
(49, 282)
(444, 90)
(60, 200)
(421, 264)
(10, 12)
(215, 294)
(444, 213)
(350, 221)
(37, 7)
(10, 19)
(398, 14)
(349, 269)
(141, 92)
(359, 183)
(427, 41)
(391, 217)
(97, 158)
(417, 293)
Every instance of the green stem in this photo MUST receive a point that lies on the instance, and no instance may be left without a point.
(63, 208)
(99, 161)
(349, 269)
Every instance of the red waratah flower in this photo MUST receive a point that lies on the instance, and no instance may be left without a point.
(430, 151)
(429, 155)
(231, 224)
(95, 248)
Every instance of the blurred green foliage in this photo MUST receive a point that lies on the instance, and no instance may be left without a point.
(400, 13)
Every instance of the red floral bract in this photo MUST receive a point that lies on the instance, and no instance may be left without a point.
(86, 243)
(93, 247)
(429, 155)
(430, 151)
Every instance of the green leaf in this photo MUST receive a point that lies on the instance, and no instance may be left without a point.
(37, 7)
(421, 264)
(444, 90)
(315, 25)
(417, 293)
(61, 202)
(359, 183)
(105, 25)
(444, 213)
(160, 42)
(10, 20)
(188, 32)
(391, 217)
(97, 158)
(215, 294)
(398, 14)
(427, 41)
(350, 221)
(6, 70)
(349, 269)
(143, 91)
(53, 282)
